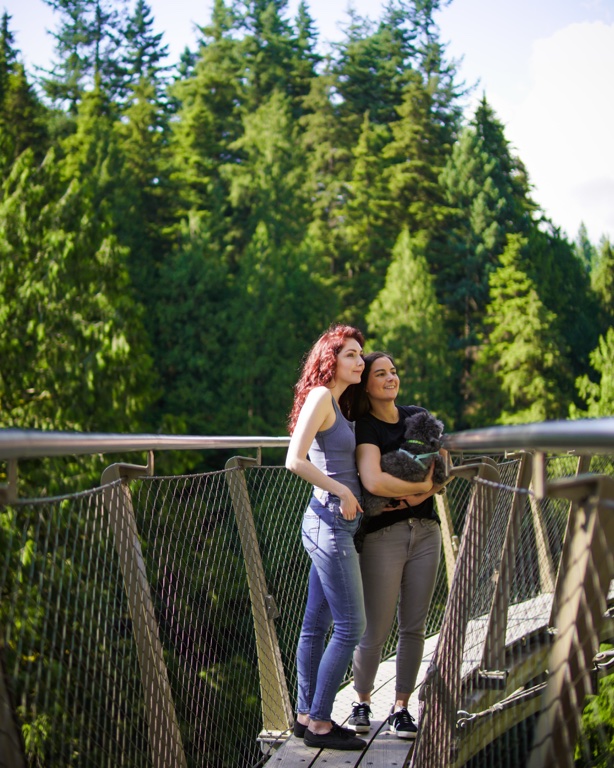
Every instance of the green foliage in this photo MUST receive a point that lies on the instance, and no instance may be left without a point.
(71, 338)
(153, 234)
(22, 116)
(406, 320)
(371, 69)
(144, 54)
(88, 40)
(564, 287)
(367, 236)
(417, 152)
(602, 281)
(584, 249)
(35, 734)
(487, 188)
(595, 746)
(193, 306)
(598, 395)
(518, 368)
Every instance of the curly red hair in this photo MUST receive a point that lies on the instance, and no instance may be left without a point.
(319, 369)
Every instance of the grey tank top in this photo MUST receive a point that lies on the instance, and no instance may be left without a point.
(333, 452)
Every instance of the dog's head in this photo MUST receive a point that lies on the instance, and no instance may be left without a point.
(426, 429)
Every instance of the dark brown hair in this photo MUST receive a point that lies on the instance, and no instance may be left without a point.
(360, 402)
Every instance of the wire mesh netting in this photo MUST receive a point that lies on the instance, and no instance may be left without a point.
(129, 625)
(70, 647)
(484, 698)
(67, 648)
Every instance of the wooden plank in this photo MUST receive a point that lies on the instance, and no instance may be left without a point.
(385, 749)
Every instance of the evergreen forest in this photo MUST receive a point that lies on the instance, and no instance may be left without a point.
(174, 236)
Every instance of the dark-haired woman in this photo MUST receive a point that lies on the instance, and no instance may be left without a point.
(400, 549)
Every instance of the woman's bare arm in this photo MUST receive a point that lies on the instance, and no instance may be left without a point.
(368, 458)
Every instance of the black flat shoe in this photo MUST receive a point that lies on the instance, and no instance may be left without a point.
(336, 738)
(299, 729)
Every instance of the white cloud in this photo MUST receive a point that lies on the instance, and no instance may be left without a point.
(562, 129)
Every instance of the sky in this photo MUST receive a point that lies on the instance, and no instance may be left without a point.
(545, 66)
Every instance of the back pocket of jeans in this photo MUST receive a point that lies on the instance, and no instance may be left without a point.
(310, 531)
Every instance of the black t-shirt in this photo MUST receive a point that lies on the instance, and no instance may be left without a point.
(390, 437)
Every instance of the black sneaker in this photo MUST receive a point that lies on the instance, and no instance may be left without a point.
(359, 719)
(336, 738)
(299, 729)
(403, 724)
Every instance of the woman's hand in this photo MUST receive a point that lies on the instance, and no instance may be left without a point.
(349, 505)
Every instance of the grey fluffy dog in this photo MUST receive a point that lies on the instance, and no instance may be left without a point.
(413, 459)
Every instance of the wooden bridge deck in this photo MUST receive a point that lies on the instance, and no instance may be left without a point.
(384, 749)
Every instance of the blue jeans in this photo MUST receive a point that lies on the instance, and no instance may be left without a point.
(335, 597)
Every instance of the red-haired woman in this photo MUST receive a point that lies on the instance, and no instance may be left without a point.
(322, 452)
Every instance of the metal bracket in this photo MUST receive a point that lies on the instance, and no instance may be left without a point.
(539, 475)
(493, 679)
(272, 611)
(128, 471)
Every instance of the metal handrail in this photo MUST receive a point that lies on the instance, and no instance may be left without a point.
(30, 444)
(579, 436)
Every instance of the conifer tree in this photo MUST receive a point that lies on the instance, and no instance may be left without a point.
(602, 281)
(193, 309)
(564, 287)
(416, 155)
(148, 193)
(328, 166)
(519, 369)
(143, 134)
(87, 49)
(71, 338)
(279, 296)
(207, 121)
(23, 120)
(8, 53)
(598, 396)
(279, 306)
(267, 186)
(367, 234)
(584, 249)
(371, 67)
(268, 50)
(22, 116)
(144, 53)
(305, 59)
(488, 188)
(438, 74)
(406, 320)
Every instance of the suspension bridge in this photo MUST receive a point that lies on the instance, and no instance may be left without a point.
(153, 620)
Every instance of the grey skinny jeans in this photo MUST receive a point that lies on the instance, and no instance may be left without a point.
(399, 566)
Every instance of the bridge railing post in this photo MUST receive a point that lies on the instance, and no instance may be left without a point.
(440, 694)
(164, 733)
(493, 659)
(277, 713)
(580, 602)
